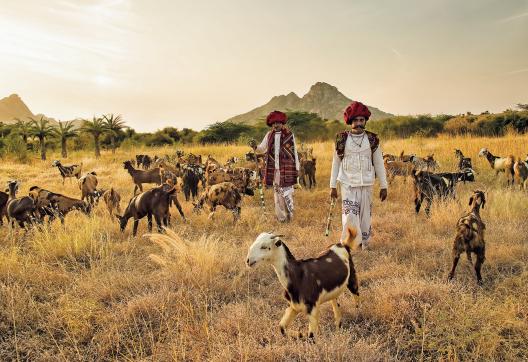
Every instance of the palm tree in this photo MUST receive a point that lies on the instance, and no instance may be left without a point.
(64, 131)
(96, 128)
(113, 124)
(23, 129)
(42, 130)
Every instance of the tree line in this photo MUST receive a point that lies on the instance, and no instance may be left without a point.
(110, 131)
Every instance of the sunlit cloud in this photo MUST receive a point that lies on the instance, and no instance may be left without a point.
(512, 18)
(518, 71)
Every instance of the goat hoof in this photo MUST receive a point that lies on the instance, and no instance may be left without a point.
(340, 325)
(283, 332)
(311, 337)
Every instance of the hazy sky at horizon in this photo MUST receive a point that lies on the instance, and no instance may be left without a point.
(189, 64)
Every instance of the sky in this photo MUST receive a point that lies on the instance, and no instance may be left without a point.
(192, 63)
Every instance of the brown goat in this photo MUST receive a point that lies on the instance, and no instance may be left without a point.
(88, 186)
(112, 200)
(140, 177)
(308, 169)
(398, 168)
(55, 205)
(470, 236)
(223, 194)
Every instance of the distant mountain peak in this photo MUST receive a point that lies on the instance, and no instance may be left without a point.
(322, 98)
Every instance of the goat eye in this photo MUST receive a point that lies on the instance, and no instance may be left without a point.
(263, 247)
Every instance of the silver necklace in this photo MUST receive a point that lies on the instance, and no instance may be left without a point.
(360, 143)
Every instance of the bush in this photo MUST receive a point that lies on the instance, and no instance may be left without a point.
(16, 146)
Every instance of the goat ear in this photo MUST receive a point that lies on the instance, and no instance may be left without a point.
(470, 200)
(278, 243)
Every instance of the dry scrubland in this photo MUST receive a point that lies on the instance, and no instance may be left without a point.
(87, 292)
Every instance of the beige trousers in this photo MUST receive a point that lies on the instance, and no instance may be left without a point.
(283, 197)
(357, 211)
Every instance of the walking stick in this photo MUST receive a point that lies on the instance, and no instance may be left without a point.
(330, 213)
(259, 182)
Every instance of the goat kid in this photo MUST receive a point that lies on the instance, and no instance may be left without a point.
(311, 282)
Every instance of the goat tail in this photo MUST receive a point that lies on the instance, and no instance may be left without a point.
(351, 236)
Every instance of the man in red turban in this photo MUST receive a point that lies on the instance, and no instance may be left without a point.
(282, 163)
(358, 160)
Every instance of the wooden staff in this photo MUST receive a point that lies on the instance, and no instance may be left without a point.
(330, 213)
(259, 180)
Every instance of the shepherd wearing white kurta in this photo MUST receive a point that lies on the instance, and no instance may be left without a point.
(357, 162)
(282, 163)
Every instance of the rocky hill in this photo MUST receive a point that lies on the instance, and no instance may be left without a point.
(323, 98)
(13, 107)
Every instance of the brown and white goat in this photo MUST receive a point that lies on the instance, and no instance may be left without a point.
(154, 202)
(88, 186)
(224, 194)
(112, 200)
(140, 177)
(311, 282)
(470, 236)
(499, 164)
(68, 171)
(520, 172)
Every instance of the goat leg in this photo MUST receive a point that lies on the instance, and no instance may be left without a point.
(149, 222)
(455, 262)
(287, 318)
(313, 322)
(337, 313)
(478, 266)
(158, 222)
(134, 230)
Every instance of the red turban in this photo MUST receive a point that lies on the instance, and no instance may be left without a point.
(276, 116)
(356, 109)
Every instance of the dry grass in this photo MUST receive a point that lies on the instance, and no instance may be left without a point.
(87, 292)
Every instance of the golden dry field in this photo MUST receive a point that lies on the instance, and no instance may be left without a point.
(85, 291)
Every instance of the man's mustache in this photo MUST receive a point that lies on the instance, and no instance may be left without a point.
(359, 126)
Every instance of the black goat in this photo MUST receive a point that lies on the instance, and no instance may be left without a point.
(426, 186)
(152, 202)
(22, 209)
(192, 174)
(463, 162)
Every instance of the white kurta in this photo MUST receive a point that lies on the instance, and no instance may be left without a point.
(356, 173)
(283, 196)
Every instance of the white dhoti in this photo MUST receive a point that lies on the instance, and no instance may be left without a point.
(357, 206)
(283, 199)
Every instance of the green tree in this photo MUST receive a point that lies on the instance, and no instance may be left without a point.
(96, 127)
(113, 124)
(62, 132)
(41, 129)
(23, 129)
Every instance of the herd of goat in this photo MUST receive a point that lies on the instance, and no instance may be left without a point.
(307, 283)
(222, 185)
